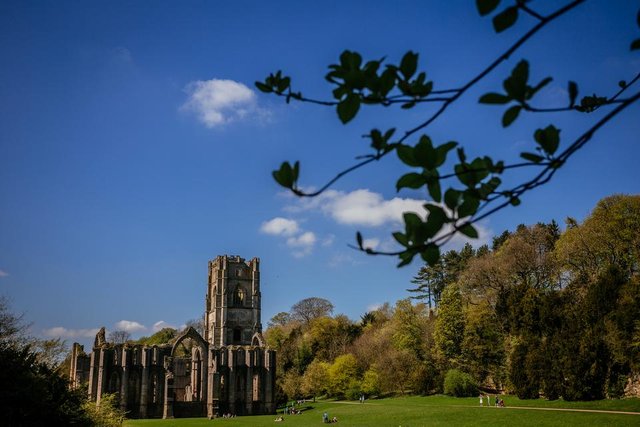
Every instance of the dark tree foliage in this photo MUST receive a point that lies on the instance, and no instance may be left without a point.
(473, 188)
(33, 394)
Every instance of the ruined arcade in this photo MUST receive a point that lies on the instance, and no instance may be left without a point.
(229, 370)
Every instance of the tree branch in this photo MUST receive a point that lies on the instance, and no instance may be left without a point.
(457, 93)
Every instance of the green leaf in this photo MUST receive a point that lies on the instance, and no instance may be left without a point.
(469, 231)
(485, 7)
(516, 84)
(461, 155)
(263, 87)
(284, 175)
(348, 108)
(401, 238)
(405, 154)
(406, 257)
(431, 254)
(409, 64)
(424, 152)
(442, 151)
(573, 93)
(494, 98)
(515, 201)
(295, 171)
(532, 157)
(635, 45)
(548, 138)
(435, 191)
(452, 198)
(469, 206)
(435, 220)
(411, 220)
(411, 180)
(283, 84)
(505, 19)
(510, 115)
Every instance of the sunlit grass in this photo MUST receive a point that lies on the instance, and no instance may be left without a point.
(434, 411)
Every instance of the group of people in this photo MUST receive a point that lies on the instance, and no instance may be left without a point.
(499, 402)
(326, 420)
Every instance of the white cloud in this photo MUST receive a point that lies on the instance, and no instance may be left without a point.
(303, 244)
(366, 208)
(345, 258)
(3, 273)
(161, 324)
(61, 332)
(280, 226)
(370, 243)
(305, 239)
(129, 326)
(328, 241)
(217, 102)
(360, 207)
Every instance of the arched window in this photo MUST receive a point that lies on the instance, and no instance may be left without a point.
(238, 297)
(237, 335)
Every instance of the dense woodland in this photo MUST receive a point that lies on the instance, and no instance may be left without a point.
(540, 313)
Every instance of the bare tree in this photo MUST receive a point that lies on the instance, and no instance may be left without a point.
(119, 337)
(311, 308)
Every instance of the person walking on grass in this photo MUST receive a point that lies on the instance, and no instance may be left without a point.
(480, 399)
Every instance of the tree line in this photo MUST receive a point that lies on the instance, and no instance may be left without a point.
(539, 313)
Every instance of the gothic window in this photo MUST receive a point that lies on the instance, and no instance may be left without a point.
(238, 273)
(238, 297)
(256, 388)
(237, 335)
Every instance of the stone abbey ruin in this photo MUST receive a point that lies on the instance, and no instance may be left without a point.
(229, 370)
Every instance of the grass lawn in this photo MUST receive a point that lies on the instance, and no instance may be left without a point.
(433, 411)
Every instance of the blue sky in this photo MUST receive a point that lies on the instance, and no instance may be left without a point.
(134, 147)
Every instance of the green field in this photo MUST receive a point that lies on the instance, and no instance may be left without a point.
(436, 411)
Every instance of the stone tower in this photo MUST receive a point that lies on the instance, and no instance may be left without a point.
(232, 309)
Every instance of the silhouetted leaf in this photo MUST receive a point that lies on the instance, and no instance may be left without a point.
(494, 98)
(469, 206)
(405, 153)
(359, 239)
(573, 93)
(431, 254)
(348, 108)
(635, 45)
(284, 175)
(406, 257)
(532, 157)
(505, 19)
(469, 231)
(452, 198)
(510, 115)
(548, 138)
(400, 238)
(263, 87)
(411, 180)
(409, 64)
(485, 7)
(435, 191)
